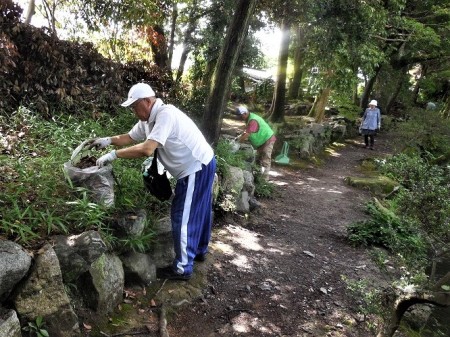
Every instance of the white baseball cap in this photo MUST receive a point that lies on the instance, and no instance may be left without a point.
(241, 110)
(373, 102)
(138, 91)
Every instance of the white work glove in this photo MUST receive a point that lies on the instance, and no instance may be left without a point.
(99, 143)
(106, 159)
(379, 126)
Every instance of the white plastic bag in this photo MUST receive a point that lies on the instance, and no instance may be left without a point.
(99, 181)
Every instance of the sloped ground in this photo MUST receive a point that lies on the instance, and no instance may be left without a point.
(279, 272)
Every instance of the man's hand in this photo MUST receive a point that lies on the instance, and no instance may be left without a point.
(106, 159)
(379, 127)
(98, 143)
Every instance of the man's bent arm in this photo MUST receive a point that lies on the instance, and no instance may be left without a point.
(144, 149)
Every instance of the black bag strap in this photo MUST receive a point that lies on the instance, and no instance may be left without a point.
(154, 167)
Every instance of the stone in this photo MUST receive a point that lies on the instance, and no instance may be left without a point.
(76, 253)
(102, 286)
(9, 324)
(43, 294)
(14, 264)
(139, 269)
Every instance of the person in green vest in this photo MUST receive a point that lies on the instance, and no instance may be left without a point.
(260, 135)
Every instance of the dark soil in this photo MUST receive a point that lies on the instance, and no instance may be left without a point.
(280, 271)
(86, 162)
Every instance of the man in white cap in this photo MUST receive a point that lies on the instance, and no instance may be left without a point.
(185, 153)
(260, 135)
(370, 124)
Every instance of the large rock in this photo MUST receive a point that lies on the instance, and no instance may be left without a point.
(139, 269)
(76, 253)
(14, 264)
(42, 294)
(9, 324)
(102, 286)
(232, 187)
(379, 185)
(162, 252)
(131, 224)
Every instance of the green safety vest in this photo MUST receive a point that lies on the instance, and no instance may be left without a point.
(263, 134)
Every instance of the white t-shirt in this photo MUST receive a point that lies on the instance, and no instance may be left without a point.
(184, 148)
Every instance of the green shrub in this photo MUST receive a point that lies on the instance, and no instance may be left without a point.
(390, 231)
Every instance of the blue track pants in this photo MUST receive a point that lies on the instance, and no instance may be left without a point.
(191, 216)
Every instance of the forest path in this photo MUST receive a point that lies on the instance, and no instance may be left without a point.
(279, 271)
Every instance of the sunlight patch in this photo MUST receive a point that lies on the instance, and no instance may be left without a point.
(245, 323)
(334, 191)
(223, 247)
(275, 173)
(332, 152)
(279, 183)
(245, 238)
(241, 261)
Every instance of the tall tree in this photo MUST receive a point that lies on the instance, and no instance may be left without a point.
(30, 11)
(295, 90)
(188, 39)
(218, 93)
(172, 31)
(276, 113)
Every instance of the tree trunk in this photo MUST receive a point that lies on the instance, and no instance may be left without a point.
(394, 95)
(30, 11)
(354, 97)
(209, 71)
(368, 89)
(218, 94)
(318, 109)
(172, 32)
(295, 90)
(50, 9)
(279, 97)
(187, 40)
(158, 43)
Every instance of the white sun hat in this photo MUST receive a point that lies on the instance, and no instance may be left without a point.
(138, 91)
(373, 102)
(241, 110)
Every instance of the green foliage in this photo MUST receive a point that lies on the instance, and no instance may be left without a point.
(37, 328)
(426, 131)
(192, 101)
(408, 170)
(227, 157)
(263, 188)
(37, 200)
(347, 108)
(415, 225)
(388, 230)
(426, 196)
(264, 90)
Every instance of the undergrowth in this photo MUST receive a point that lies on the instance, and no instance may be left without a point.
(37, 200)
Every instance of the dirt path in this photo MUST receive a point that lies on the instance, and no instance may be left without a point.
(279, 271)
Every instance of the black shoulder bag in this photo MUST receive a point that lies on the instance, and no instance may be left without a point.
(157, 184)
